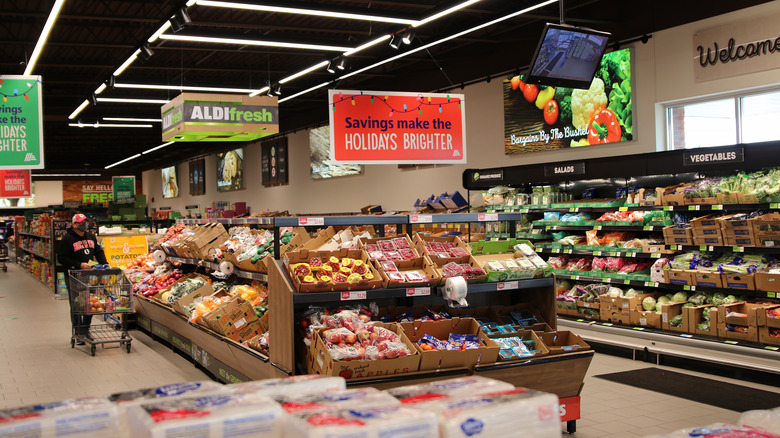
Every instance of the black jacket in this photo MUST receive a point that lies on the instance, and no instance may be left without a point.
(74, 250)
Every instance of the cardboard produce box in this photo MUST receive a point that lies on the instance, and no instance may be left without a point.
(563, 341)
(707, 279)
(643, 318)
(615, 314)
(752, 313)
(668, 195)
(769, 335)
(739, 281)
(477, 275)
(735, 223)
(203, 291)
(706, 222)
(626, 303)
(389, 245)
(767, 280)
(424, 244)
(669, 311)
(523, 315)
(322, 362)
(432, 360)
(525, 335)
(692, 316)
(292, 258)
(422, 266)
(231, 316)
(738, 332)
(245, 332)
(678, 236)
(679, 276)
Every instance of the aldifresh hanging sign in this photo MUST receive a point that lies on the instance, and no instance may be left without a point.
(382, 127)
(21, 122)
(219, 117)
(737, 48)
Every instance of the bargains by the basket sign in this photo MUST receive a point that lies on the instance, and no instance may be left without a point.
(377, 127)
(15, 183)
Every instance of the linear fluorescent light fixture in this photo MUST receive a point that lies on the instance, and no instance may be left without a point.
(165, 26)
(46, 175)
(127, 63)
(446, 12)
(123, 161)
(305, 11)
(79, 109)
(183, 88)
(55, 11)
(131, 100)
(367, 45)
(130, 119)
(424, 47)
(303, 72)
(109, 125)
(157, 147)
(101, 88)
(245, 42)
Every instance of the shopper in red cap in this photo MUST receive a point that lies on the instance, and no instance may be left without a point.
(77, 247)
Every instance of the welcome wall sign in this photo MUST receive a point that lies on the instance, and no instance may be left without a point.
(737, 48)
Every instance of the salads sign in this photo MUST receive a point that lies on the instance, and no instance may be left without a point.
(735, 49)
(538, 118)
(381, 127)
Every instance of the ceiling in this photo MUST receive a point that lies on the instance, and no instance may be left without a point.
(92, 38)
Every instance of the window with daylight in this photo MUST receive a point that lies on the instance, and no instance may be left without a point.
(747, 118)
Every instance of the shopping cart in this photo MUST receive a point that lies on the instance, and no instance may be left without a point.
(100, 292)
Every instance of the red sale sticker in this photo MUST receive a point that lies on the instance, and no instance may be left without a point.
(311, 221)
(384, 127)
(418, 292)
(421, 219)
(487, 217)
(507, 285)
(355, 295)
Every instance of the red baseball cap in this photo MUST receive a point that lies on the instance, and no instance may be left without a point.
(77, 218)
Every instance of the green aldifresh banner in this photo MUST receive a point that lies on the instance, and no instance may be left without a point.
(124, 188)
(21, 122)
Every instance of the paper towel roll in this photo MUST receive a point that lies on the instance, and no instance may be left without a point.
(456, 289)
(226, 268)
(158, 256)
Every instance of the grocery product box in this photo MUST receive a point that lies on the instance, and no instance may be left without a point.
(626, 303)
(750, 313)
(529, 336)
(390, 244)
(728, 198)
(292, 258)
(668, 312)
(749, 198)
(767, 223)
(770, 320)
(731, 240)
(769, 240)
(409, 273)
(738, 332)
(697, 201)
(563, 341)
(245, 332)
(231, 316)
(707, 279)
(693, 316)
(159, 295)
(426, 244)
(668, 195)
(678, 276)
(739, 281)
(643, 318)
(735, 222)
(475, 274)
(521, 316)
(708, 240)
(708, 221)
(204, 291)
(767, 281)
(769, 335)
(436, 359)
(647, 198)
(615, 314)
(678, 236)
(322, 362)
(707, 232)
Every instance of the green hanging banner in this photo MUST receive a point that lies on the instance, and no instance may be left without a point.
(21, 122)
(124, 188)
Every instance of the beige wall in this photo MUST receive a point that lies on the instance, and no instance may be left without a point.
(663, 72)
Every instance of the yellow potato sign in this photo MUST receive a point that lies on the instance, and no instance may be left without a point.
(121, 250)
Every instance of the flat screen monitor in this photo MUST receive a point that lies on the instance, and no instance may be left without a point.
(567, 56)
(170, 182)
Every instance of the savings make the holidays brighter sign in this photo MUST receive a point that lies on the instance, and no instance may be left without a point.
(21, 122)
(377, 127)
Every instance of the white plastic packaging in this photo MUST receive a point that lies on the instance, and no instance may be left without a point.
(498, 414)
(719, 430)
(440, 389)
(85, 417)
(767, 419)
(371, 422)
(334, 400)
(288, 386)
(217, 415)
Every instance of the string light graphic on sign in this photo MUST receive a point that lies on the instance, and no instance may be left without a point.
(16, 92)
(386, 98)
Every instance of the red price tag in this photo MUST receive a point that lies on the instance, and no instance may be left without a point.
(418, 292)
(356, 295)
(311, 221)
(421, 219)
(507, 285)
(487, 217)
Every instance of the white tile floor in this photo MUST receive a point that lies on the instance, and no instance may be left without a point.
(37, 365)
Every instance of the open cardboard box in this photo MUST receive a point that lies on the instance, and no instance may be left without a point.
(693, 316)
(626, 303)
(524, 335)
(432, 360)
(739, 281)
(643, 318)
(403, 239)
(614, 314)
(679, 276)
(563, 341)
(767, 281)
(765, 335)
(502, 316)
(305, 256)
(231, 316)
(322, 362)
(742, 333)
(669, 311)
(420, 265)
(420, 240)
(754, 313)
(707, 278)
(465, 260)
(178, 305)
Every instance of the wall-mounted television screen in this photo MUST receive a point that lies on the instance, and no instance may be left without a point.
(230, 170)
(567, 56)
(170, 182)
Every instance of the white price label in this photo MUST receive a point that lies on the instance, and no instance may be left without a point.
(487, 217)
(311, 221)
(507, 285)
(418, 292)
(356, 295)
(421, 219)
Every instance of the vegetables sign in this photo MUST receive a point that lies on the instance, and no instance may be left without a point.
(541, 118)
